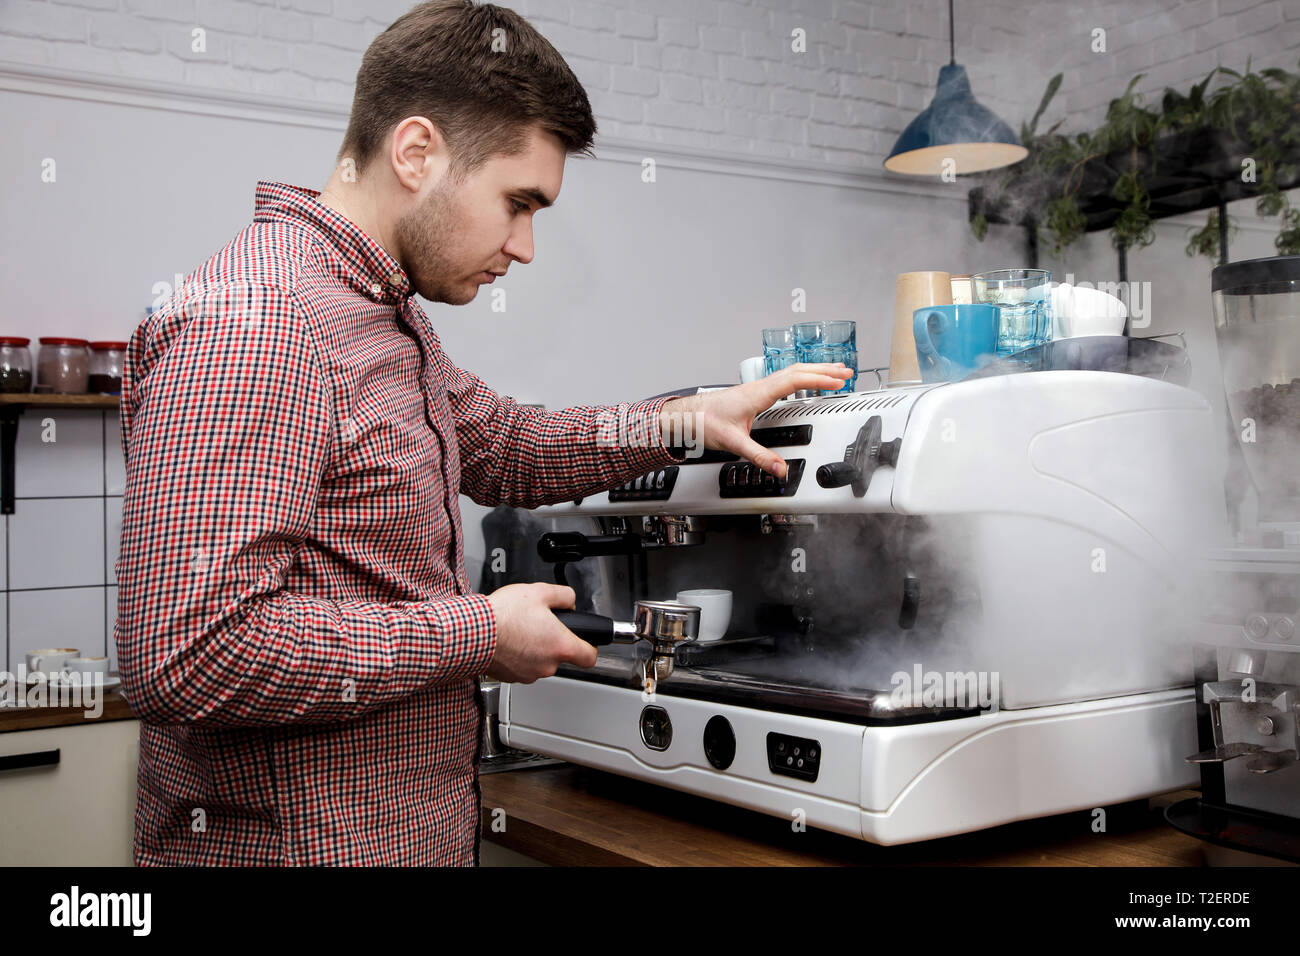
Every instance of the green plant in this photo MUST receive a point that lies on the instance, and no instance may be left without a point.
(1260, 110)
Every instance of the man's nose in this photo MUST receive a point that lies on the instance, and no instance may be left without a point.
(520, 244)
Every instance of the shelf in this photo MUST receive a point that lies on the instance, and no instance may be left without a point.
(12, 406)
(50, 400)
(1183, 172)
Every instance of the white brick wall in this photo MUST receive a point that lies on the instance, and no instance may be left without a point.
(706, 74)
(1172, 42)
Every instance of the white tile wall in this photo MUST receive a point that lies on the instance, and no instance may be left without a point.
(62, 540)
(56, 542)
(56, 617)
(62, 453)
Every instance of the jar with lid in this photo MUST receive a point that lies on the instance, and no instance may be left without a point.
(15, 364)
(105, 376)
(63, 365)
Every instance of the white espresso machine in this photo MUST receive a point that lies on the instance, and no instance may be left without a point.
(966, 604)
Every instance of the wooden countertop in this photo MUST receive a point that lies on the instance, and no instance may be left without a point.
(30, 718)
(568, 815)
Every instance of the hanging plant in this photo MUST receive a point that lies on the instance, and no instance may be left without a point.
(1253, 122)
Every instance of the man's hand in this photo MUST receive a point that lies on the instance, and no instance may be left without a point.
(531, 641)
(724, 418)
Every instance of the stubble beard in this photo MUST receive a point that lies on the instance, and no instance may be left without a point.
(425, 235)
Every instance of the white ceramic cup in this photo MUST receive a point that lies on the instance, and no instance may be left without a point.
(86, 665)
(1079, 312)
(50, 660)
(715, 611)
(752, 369)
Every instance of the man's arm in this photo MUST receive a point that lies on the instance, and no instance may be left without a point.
(228, 433)
(525, 457)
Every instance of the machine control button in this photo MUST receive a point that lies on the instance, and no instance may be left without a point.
(793, 756)
(745, 480)
(652, 486)
(1284, 628)
(719, 742)
(1257, 626)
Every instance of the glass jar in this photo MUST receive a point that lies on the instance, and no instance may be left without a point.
(15, 364)
(105, 376)
(63, 366)
(1257, 325)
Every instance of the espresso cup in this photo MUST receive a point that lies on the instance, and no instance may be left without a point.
(50, 660)
(86, 665)
(715, 611)
(752, 369)
(1082, 311)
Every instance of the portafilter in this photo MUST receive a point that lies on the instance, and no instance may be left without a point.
(665, 624)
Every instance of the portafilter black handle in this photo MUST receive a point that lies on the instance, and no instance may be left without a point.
(592, 628)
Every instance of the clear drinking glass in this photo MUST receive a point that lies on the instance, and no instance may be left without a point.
(1024, 301)
(778, 349)
(829, 342)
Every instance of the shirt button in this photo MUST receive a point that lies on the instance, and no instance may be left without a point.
(376, 289)
(395, 279)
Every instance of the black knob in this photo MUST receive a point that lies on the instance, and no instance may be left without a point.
(836, 475)
(719, 742)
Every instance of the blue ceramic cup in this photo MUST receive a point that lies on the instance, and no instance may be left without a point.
(954, 340)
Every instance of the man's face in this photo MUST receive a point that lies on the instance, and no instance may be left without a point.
(459, 234)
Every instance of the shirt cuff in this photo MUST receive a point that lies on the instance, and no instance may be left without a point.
(649, 453)
(467, 628)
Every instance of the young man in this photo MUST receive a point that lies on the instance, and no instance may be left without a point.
(295, 625)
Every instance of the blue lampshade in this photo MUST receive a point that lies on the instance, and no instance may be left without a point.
(954, 126)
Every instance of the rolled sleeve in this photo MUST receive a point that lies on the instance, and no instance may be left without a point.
(525, 457)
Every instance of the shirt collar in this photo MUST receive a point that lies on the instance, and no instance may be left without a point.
(367, 266)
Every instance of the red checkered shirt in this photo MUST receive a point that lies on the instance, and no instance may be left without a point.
(295, 626)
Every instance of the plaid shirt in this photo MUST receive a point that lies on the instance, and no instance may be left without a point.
(295, 626)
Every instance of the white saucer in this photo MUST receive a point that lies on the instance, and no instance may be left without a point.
(108, 683)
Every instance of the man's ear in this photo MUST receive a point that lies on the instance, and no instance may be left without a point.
(417, 153)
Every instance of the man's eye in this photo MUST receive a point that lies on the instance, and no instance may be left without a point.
(519, 206)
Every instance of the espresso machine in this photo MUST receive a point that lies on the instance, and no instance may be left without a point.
(966, 604)
(1248, 659)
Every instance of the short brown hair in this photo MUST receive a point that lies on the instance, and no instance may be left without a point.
(438, 61)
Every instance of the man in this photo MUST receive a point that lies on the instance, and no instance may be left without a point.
(295, 625)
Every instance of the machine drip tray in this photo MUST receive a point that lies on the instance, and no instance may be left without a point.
(1237, 828)
(752, 673)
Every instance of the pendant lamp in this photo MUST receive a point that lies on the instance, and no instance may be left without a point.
(954, 127)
